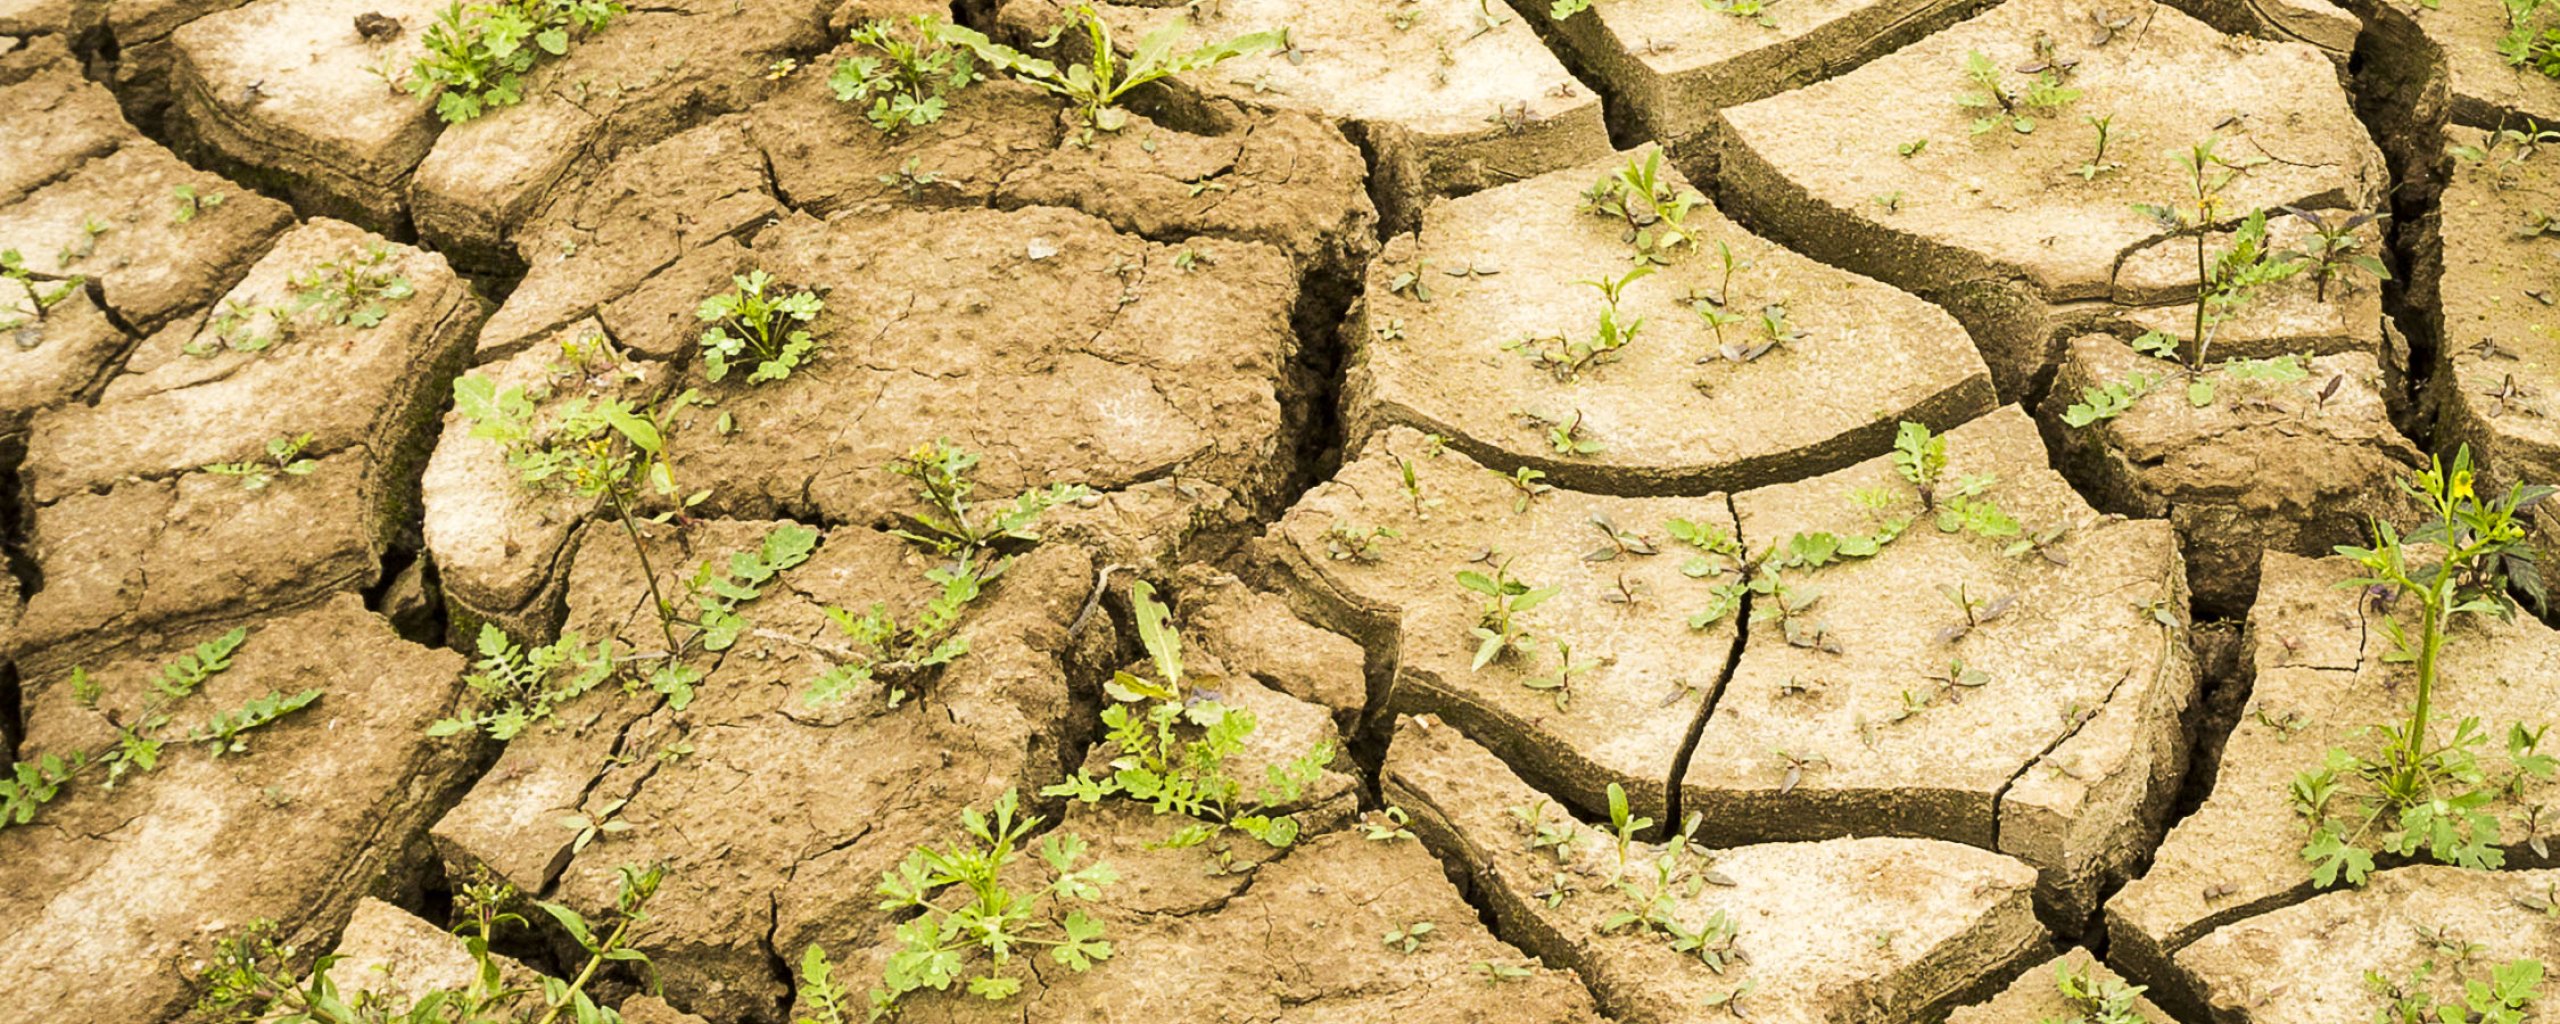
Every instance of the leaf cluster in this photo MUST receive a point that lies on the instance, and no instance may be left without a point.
(476, 55)
(1096, 88)
(906, 83)
(754, 321)
(1171, 744)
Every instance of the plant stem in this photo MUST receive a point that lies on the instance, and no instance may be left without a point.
(657, 602)
(2202, 288)
(613, 941)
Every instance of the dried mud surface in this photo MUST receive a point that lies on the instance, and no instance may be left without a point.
(1791, 730)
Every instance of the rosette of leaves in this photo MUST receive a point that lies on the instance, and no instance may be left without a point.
(477, 55)
(754, 322)
(906, 77)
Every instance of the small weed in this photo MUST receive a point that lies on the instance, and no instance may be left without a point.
(1095, 89)
(250, 980)
(1148, 724)
(1977, 611)
(754, 320)
(13, 267)
(1409, 938)
(1753, 11)
(2417, 797)
(1527, 485)
(2223, 284)
(283, 457)
(1385, 825)
(1568, 360)
(2503, 997)
(907, 79)
(2094, 1000)
(141, 737)
(910, 179)
(1920, 456)
(955, 528)
(1348, 541)
(2530, 42)
(592, 827)
(187, 203)
(1558, 681)
(2101, 402)
(1498, 629)
(2098, 163)
(606, 449)
(517, 687)
(1620, 544)
(1655, 213)
(1495, 974)
(477, 55)
(997, 923)
(1907, 150)
(2016, 108)
(1565, 436)
(2337, 246)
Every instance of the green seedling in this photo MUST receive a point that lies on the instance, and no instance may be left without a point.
(1569, 360)
(717, 590)
(250, 978)
(910, 178)
(1527, 485)
(283, 458)
(1410, 938)
(1753, 11)
(476, 56)
(187, 203)
(1172, 743)
(2017, 108)
(1655, 212)
(2101, 402)
(2225, 283)
(2504, 997)
(1907, 150)
(43, 296)
(1557, 837)
(1412, 487)
(1619, 544)
(1977, 611)
(898, 657)
(1565, 436)
(2094, 1000)
(1498, 629)
(995, 925)
(1095, 89)
(142, 735)
(955, 528)
(2529, 42)
(592, 827)
(1385, 825)
(1495, 974)
(517, 687)
(1920, 456)
(2415, 796)
(1718, 549)
(2337, 245)
(905, 75)
(1797, 765)
(755, 321)
(1347, 541)
(607, 450)
(1558, 682)
(2098, 163)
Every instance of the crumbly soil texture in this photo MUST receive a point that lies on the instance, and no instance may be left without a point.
(1535, 512)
